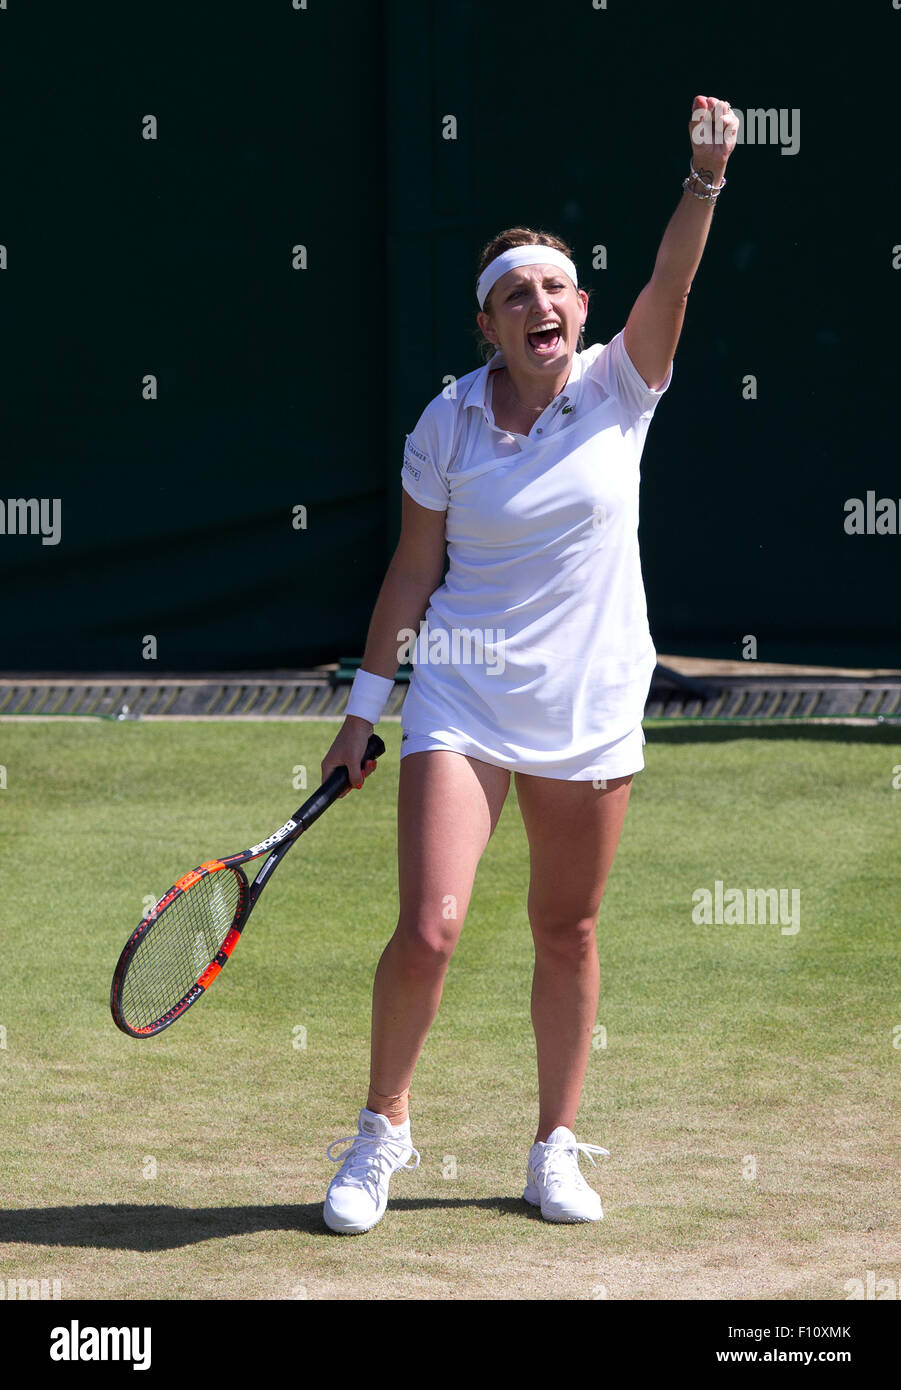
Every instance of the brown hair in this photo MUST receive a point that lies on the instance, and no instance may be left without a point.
(505, 241)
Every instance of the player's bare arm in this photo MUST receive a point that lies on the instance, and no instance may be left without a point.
(412, 577)
(655, 323)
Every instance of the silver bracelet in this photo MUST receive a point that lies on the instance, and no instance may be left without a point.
(711, 191)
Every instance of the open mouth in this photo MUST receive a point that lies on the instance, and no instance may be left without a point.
(545, 341)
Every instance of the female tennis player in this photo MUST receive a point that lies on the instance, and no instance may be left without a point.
(534, 660)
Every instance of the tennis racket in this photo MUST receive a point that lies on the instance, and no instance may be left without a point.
(180, 947)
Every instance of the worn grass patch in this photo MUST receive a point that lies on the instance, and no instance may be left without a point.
(742, 1080)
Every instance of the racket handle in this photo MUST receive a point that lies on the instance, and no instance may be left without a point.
(336, 782)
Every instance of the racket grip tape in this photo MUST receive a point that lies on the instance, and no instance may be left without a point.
(336, 783)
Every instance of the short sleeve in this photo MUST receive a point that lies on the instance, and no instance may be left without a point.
(614, 369)
(422, 474)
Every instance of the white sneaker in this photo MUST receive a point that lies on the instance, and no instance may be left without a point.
(358, 1193)
(555, 1183)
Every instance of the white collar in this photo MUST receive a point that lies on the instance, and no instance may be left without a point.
(477, 392)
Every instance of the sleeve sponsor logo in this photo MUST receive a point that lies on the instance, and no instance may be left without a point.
(413, 457)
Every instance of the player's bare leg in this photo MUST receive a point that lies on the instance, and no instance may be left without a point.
(573, 830)
(448, 808)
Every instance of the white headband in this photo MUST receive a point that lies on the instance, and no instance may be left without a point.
(521, 255)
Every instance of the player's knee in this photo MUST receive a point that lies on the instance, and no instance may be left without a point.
(569, 938)
(425, 944)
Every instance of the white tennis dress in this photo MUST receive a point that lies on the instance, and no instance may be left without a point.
(535, 652)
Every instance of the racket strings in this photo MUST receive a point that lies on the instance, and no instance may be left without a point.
(176, 950)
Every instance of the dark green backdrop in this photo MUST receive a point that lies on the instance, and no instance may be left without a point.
(322, 127)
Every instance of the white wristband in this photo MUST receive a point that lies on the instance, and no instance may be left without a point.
(369, 695)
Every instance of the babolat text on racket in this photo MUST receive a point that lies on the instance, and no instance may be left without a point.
(180, 947)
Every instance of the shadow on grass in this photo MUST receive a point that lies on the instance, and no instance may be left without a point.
(124, 1226)
(674, 731)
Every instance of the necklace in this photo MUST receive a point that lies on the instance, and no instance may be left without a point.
(535, 409)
